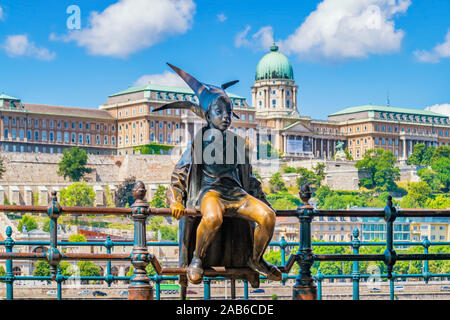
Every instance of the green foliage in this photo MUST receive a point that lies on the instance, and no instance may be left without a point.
(284, 204)
(46, 225)
(267, 152)
(440, 202)
(332, 267)
(78, 194)
(150, 270)
(73, 164)
(168, 232)
(35, 196)
(159, 198)
(442, 168)
(273, 257)
(77, 238)
(379, 165)
(418, 194)
(152, 148)
(65, 268)
(276, 183)
(109, 198)
(28, 221)
(437, 175)
(327, 198)
(283, 200)
(88, 269)
(421, 155)
(42, 269)
(2, 271)
(430, 177)
(124, 194)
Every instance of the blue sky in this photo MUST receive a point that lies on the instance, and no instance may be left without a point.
(344, 53)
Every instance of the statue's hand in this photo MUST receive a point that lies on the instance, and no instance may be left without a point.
(177, 210)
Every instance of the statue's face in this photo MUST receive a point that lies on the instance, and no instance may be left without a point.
(219, 114)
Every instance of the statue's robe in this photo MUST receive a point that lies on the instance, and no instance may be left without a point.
(232, 246)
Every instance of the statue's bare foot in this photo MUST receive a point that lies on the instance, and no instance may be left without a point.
(267, 269)
(195, 271)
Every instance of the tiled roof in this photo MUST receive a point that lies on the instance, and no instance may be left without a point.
(67, 111)
(1, 238)
(159, 88)
(99, 236)
(386, 109)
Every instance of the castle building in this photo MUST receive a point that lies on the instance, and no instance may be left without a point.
(126, 122)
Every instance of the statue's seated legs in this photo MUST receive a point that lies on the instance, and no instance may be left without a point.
(212, 208)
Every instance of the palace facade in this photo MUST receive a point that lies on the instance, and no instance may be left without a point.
(126, 121)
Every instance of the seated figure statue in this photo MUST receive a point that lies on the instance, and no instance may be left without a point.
(215, 175)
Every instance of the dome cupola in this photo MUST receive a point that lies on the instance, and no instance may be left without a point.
(274, 65)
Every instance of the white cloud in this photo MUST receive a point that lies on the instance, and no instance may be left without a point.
(339, 29)
(167, 79)
(437, 53)
(1, 13)
(19, 45)
(261, 40)
(440, 108)
(222, 17)
(128, 26)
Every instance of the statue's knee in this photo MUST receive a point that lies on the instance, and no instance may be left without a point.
(269, 218)
(212, 221)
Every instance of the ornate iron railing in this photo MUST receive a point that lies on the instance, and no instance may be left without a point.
(140, 287)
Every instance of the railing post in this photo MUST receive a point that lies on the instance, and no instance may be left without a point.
(245, 289)
(207, 288)
(53, 255)
(9, 244)
(109, 277)
(356, 275)
(158, 279)
(283, 245)
(59, 280)
(305, 288)
(140, 287)
(390, 256)
(426, 265)
(319, 277)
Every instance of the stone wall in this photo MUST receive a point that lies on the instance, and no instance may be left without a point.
(34, 175)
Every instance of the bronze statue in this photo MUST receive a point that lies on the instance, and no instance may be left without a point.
(215, 175)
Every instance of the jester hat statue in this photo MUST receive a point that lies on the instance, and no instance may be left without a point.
(237, 241)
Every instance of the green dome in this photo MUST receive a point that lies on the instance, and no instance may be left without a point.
(274, 65)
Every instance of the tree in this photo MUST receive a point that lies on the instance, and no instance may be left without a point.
(319, 171)
(284, 204)
(430, 177)
(321, 195)
(73, 164)
(168, 232)
(276, 183)
(29, 222)
(442, 168)
(379, 165)
(306, 177)
(88, 269)
(78, 237)
(42, 269)
(418, 194)
(159, 199)
(440, 202)
(124, 194)
(78, 194)
(46, 225)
